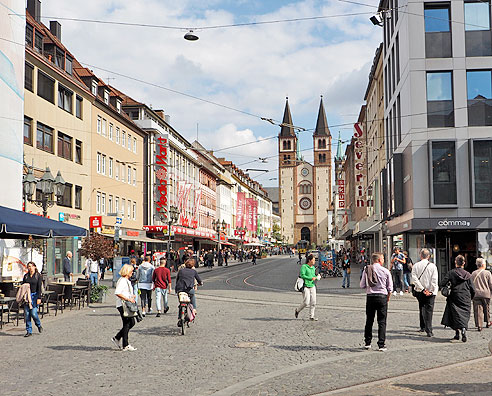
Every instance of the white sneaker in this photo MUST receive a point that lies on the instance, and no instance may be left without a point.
(383, 348)
(314, 319)
(401, 293)
(143, 314)
(129, 348)
(150, 310)
(367, 346)
(116, 342)
(394, 293)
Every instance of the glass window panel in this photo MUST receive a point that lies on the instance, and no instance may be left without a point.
(479, 84)
(482, 171)
(437, 19)
(477, 15)
(27, 131)
(439, 86)
(28, 77)
(444, 173)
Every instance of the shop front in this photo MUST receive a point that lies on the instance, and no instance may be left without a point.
(446, 238)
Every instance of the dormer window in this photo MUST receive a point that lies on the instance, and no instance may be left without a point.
(118, 105)
(106, 96)
(94, 87)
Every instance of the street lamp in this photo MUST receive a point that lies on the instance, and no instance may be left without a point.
(173, 218)
(241, 231)
(218, 226)
(48, 185)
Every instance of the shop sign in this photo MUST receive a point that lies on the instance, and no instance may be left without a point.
(161, 163)
(445, 223)
(359, 165)
(132, 233)
(341, 194)
(61, 216)
(95, 221)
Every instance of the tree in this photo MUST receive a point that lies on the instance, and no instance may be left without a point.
(276, 233)
(96, 247)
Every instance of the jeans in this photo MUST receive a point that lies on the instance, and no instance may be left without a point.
(32, 313)
(407, 279)
(397, 279)
(93, 278)
(308, 300)
(135, 291)
(128, 323)
(146, 298)
(376, 303)
(192, 297)
(426, 309)
(346, 278)
(158, 294)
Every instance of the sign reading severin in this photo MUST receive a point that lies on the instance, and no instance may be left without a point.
(161, 164)
(359, 164)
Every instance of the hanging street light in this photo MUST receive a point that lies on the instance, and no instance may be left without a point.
(190, 36)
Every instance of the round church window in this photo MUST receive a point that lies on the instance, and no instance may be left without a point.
(305, 203)
(305, 172)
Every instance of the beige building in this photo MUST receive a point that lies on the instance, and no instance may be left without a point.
(57, 131)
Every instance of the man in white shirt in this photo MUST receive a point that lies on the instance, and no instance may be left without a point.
(425, 282)
(92, 270)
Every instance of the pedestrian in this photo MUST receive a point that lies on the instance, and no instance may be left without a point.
(102, 267)
(92, 270)
(34, 279)
(424, 278)
(407, 272)
(308, 274)
(458, 303)
(378, 284)
(162, 285)
(396, 268)
(67, 267)
(346, 271)
(124, 292)
(482, 281)
(185, 281)
(144, 278)
(226, 257)
(253, 257)
(133, 278)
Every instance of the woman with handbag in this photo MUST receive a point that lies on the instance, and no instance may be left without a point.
(124, 294)
(346, 271)
(457, 286)
(308, 273)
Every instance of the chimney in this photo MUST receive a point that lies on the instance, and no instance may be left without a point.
(160, 113)
(34, 8)
(167, 118)
(55, 29)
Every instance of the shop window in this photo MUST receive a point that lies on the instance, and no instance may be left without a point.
(477, 28)
(28, 131)
(437, 18)
(44, 137)
(479, 92)
(28, 77)
(440, 105)
(46, 87)
(443, 175)
(64, 146)
(66, 198)
(481, 163)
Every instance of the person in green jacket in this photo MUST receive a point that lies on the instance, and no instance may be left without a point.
(308, 273)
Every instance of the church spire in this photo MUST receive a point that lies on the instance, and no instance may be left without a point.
(339, 155)
(287, 130)
(322, 124)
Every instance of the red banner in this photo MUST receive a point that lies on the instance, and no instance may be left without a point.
(254, 214)
(241, 203)
(249, 214)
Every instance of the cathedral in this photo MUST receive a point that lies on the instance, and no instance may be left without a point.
(305, 188)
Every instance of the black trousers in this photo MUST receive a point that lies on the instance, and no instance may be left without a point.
(128, 323)
(426, 309)
(376, 303)
(146, 298)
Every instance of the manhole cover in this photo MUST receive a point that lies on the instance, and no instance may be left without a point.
(250, 344)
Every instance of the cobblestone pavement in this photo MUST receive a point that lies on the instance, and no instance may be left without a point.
(245, 341)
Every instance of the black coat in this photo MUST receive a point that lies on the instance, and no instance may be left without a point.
(458, 304)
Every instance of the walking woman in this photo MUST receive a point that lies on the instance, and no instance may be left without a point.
(458, 303)
(308, 273)
(346, 271)
(482, 281)
(124, 291)
(34, 279)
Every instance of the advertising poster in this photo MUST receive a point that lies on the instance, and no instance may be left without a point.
(249, 214)
(254, 214)
(14, 259)
(241, 201)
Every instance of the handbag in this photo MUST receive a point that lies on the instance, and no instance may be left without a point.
(348, 270)
(299, 285)
(414, 292)
(130, 309)
(446, 290)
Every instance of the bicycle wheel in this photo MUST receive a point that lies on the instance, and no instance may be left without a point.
(182, 314)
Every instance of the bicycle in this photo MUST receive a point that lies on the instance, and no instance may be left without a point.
(185, 311)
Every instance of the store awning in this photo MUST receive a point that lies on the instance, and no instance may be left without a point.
(18, 224)
(139, 238)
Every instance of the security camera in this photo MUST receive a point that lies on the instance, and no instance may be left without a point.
(376, 20)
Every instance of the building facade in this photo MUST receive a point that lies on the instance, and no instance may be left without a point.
(304, 188)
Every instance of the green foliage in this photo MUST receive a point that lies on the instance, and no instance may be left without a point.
(97, 292)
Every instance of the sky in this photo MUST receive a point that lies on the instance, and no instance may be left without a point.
(248, 68)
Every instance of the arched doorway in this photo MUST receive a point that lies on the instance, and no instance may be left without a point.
(305, 234)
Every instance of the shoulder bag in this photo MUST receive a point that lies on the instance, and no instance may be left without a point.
(130, 309)
(299, 285)
(414, 292)
(446, 289)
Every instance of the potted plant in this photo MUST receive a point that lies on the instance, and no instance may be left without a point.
(98, 293)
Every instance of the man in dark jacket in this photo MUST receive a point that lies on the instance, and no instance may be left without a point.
(67, 266)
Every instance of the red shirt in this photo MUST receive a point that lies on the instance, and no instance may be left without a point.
(161, 277)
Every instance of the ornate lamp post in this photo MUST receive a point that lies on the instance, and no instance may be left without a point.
(241, 231)
(218, 226)
(48, 185)
(173, 218)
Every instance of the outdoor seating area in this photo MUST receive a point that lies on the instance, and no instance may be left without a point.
(57, 295)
